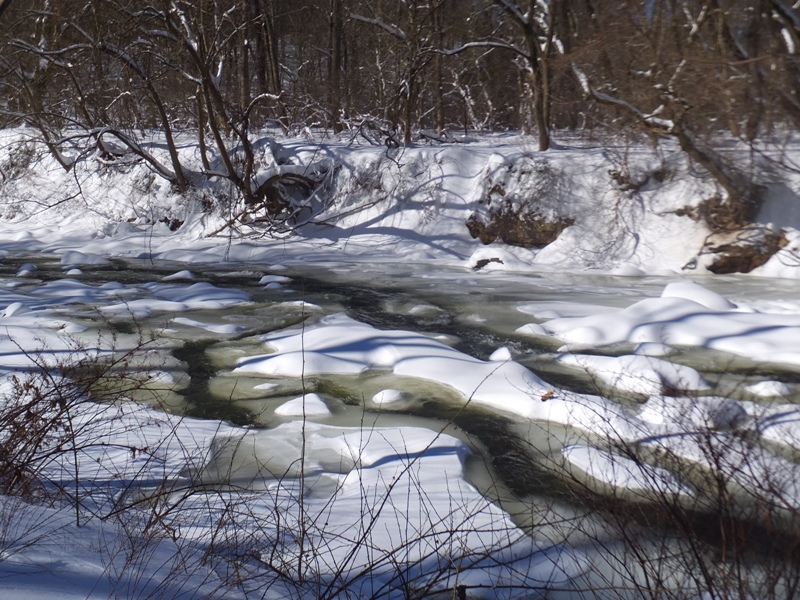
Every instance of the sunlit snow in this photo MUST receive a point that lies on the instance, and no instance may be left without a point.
(379, 502)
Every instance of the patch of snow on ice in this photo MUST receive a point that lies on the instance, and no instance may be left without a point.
(637, 374)
(310, 405)
(228, 329)
(265, 386)
(697, 293)
(686, 315)
(387, 396)
(624, 473)
(532, 329)
(75, 258)
(180, 275)
(683, 413)
(26, 270)
(769, 389)
(341, 345)
(199, 295)
(501, 354)
(144, 307)
(274, 279)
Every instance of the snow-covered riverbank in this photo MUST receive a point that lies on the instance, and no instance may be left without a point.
(627, 210)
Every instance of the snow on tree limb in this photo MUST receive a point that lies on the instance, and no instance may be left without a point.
(486, 44)
(387, 27)
(514, 9)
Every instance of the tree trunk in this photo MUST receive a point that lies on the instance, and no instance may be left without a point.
(202, 123)
(244, 81)
(536, 58)
(273, 67)
(744, 196)
(540, 110)
(271, 47)
(334, 76)
(408, 109)
(437, 67)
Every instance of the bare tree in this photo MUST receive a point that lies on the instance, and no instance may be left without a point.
(687, 79)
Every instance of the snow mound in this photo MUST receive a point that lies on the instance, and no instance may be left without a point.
(500, 355)
(637, 374)
(683, 413)
(309, 405)
(226, 329)
(697, 293)
(685, 315)
(624, 473)
(180, 275)
(341, 345)
(387, 397)
(75, 258)
(769, 389)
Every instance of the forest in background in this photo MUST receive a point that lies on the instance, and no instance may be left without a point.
(398, 71)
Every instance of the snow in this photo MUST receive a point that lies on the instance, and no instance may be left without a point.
(637, 374)
(387, 396)
(344, 501)
(309, 405)
(341, 345)
(75, 258)
(624, 473)
(411, 206)
(266, 279)
(180, 275)
(226, 329)
(26, 270)
(690, 290)
(686, 314)
(178, 298)
(500, 355)
(334, 469)
(769, 389)
(691, 413)
(311, 473)
(336, 491)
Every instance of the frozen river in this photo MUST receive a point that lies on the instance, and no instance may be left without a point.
(555, 422)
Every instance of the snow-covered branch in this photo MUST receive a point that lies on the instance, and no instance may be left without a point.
(651, 119)
(486, 44)
(514, 8)
(136, 148)
(188, 32)
(387, 27)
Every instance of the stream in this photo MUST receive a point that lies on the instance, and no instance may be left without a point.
(475, 313)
